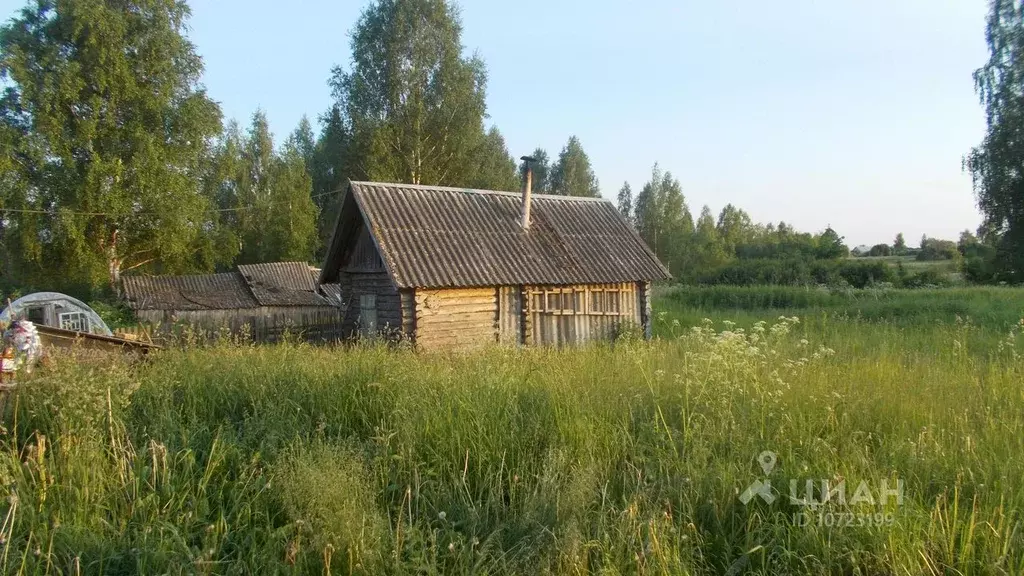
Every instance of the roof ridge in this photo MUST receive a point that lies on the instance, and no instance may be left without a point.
(481, 191)
(296, 262)
(132, 277)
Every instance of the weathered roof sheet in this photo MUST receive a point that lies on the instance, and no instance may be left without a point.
(435, 237)
(251, 286)
(200, 292)
(282, 284)
(332, 292)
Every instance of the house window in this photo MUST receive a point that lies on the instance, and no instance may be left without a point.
(368, 315)
(76, 321)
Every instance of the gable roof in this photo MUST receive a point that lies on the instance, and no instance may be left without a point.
(433, 237)
(251, 286)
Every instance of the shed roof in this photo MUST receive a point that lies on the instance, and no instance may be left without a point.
(432, 237)
(251, 286)
(282, 283)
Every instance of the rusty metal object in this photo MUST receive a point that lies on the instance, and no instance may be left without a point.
(59, 338)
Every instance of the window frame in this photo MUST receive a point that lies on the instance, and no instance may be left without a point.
(581, 302)
(368, 315)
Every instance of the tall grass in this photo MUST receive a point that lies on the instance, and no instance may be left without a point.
(625, 459)
(991, 307)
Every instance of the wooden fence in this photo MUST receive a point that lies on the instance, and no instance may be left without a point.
(309, 324)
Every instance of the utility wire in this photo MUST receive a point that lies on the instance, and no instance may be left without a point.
(216, 210)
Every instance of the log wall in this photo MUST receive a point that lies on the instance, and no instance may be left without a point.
(459, 318)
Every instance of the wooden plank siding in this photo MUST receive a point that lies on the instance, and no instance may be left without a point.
(389, 304)
(510, 315)
(572, 315)
(459, 318)
(262, 324)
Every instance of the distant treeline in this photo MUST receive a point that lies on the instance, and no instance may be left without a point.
(120, 162)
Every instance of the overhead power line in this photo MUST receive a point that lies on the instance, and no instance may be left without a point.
(149, 212)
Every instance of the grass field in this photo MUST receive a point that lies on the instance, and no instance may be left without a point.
(911, 263)
(603, 460)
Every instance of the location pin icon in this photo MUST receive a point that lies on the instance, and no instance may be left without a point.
(767, 461)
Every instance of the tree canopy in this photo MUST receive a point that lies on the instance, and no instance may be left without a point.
(997, 164)
(107, 124)
(625, 203)
(572, 174)
(413, 100)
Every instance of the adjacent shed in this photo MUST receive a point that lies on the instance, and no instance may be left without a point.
(457, 268)
(263, 300)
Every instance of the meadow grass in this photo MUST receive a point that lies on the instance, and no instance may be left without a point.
(619, 459)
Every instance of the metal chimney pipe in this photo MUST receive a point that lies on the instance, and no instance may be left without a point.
(527, 191)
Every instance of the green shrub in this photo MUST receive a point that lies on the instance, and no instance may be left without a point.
(800, 272)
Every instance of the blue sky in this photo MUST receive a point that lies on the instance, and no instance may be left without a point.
(849, 113)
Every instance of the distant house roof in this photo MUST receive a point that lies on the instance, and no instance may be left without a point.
(251, 286)
(432, 237)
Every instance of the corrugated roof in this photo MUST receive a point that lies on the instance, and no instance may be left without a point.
(332, 292)
(282, 283)
(200, 292)
(434, 237)
(251, 286)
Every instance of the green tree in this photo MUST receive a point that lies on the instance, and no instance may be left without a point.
(329, 171)
(271, 197)
(997, 164)
(220, 186)
(978, 259)
(111, 124)
(19, 239)
(830, 245)
(710, 250)
(626, 202)
(292, 222)
(414, 102)
(572, 174)
(253, 197)
(935, 249)
(541, 183)
(899, 245)
(734, 228)
(880, 250)
(664, 221)
(494, 167)
(304, 141)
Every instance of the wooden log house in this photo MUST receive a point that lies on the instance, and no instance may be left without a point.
(457, 268)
